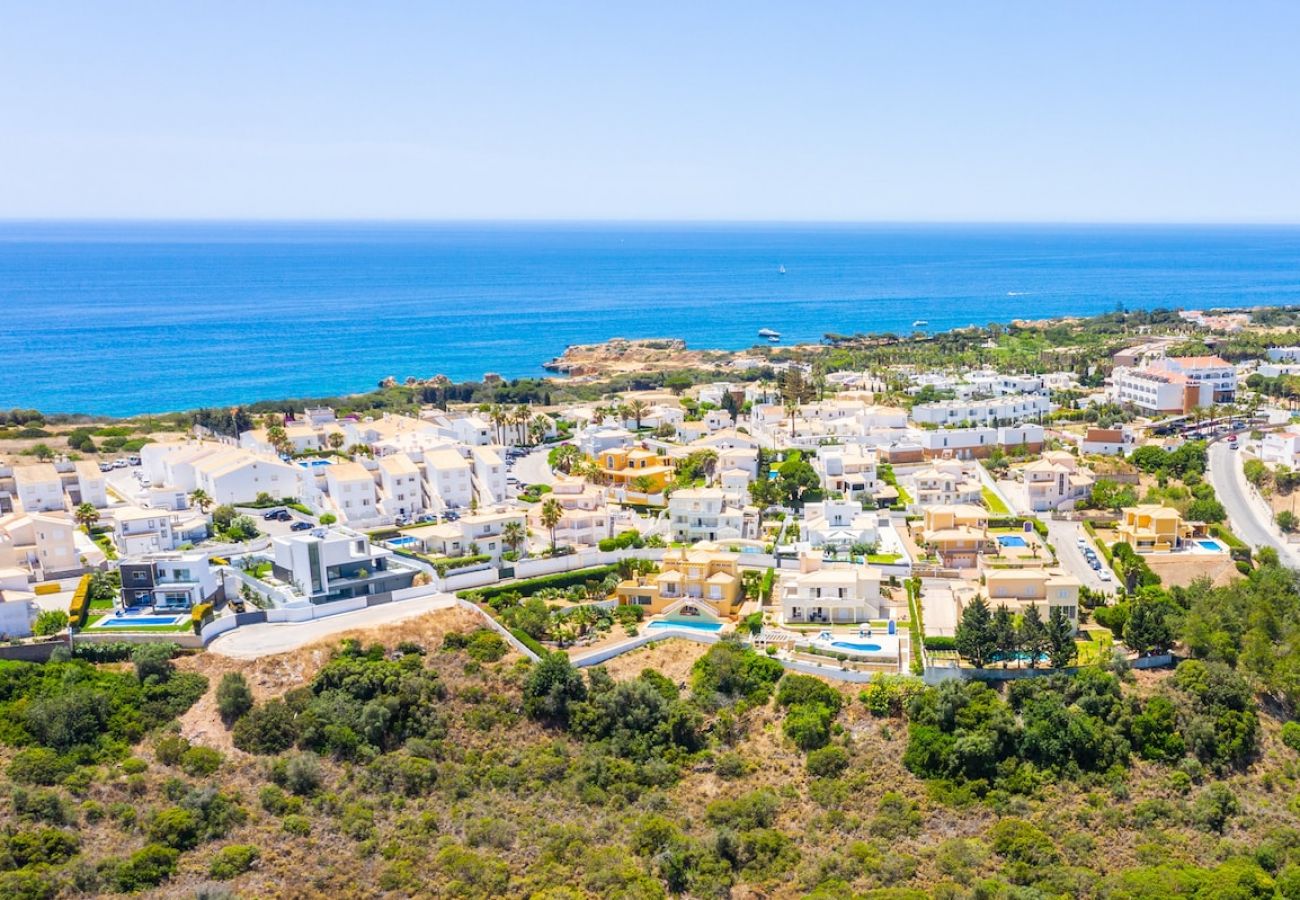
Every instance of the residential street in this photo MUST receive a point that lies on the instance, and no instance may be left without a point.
(1064, 536)
(533, 468)
(252, 641)
(1248, 516)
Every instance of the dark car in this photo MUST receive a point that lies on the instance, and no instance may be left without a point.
(278, 515)
(300, 526)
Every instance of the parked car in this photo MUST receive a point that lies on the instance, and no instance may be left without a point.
(105, 467)
(300, 525)
(133, 460)
(1082, 541)
(426, 517)
(1096, 565)
(278, 515)
(1104, 575)
(119, 464)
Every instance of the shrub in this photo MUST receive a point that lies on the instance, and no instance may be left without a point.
(1215, 806)
(300, 774)
(39, 765)
(486, 645)
(808, 726)
(234, 698)
(1019, 841)
(49, 622)
(153, 660)
(233, 860)
(175, 827)
(296, 824)
(1291, 735)
(269, 728)
(201, 761)
(170, 748)
(939, 642)
(40, 847)
(147, 867)
(796, 690)
(828, 762)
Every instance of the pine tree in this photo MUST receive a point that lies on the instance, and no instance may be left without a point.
(1033, 635)
(975, 639)
(1060, 635)
(1005, 637)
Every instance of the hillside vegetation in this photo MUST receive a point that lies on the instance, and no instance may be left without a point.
(433, 762)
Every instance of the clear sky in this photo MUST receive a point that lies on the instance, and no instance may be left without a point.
(1033, 111)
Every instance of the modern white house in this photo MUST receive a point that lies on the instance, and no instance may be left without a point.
(176, 581)
(39, 488)
(401, 486)
(18, 609)
(48, 545)
(839, 524)
(91, 486)
(828, 594)
(352, 492)
(229, 475)
(594, 440)
(1107, 442)
(849, 469)
(1176, 385)
(336, 564)
(448, 478)
(946, 481)
(706, 514)
(1054, 481)
(1280, 448)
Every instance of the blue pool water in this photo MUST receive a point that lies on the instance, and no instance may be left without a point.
(135, 621)
(1212, 546)
(856, 645)
(254, 307)
(313, 463)
(403, 541)
(682, 623)
(1011, 540)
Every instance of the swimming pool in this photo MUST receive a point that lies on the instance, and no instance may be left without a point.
(855, 645)
(1011, 540)
(130, 621)
(313, 463)
(1212, 546)
(680, 623)
(404, 541)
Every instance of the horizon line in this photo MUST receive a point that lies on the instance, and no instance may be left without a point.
(698, 222)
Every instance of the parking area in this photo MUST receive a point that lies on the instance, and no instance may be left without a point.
(1076, 552)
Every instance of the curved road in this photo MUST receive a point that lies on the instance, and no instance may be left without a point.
(1248, 516)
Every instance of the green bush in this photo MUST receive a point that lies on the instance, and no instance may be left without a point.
(234, 698)
(201, 761)
(296, 824)
(39, 765)
(1291, 735)
(796, 690)
(485, 645)
(808, 726)
(530, 586)
(175, 827)
(827, 762)
(148, 867)
(233, 860)
(269, 728)
(939, 642)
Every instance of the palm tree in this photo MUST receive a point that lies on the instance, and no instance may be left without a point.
(86, 515)
(200, 499)
(514, 534)
(638, 409)
(551, 514)
(336, 440)
(537, 429)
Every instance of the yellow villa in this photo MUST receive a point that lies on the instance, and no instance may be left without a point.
(1022, 588)
(1153, 529)
(690, 582)
(958, 533)
(622, 467)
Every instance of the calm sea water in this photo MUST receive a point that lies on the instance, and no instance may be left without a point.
(127, 318)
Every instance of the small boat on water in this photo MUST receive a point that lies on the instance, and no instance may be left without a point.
(920, 323)
(774, 338)
(780, 270)
(769, 333)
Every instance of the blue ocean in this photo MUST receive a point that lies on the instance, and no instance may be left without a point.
(124, 318)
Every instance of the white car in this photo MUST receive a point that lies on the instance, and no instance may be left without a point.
(1104, 575)
(1082, 541)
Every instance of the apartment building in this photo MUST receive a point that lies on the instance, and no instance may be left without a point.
(401, 486)
(978, 443)
(1177, 385)
(39, 488)
(1003, 410)
(352, 492)
(448, 479)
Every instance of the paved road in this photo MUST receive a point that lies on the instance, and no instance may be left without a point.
(1064, 536)
(533, 468)
(1248, 516)
(252, 641)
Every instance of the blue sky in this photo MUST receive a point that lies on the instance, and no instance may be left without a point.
(1058, 111)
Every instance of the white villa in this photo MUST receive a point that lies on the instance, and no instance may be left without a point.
(830, 594)
(706, 514)
(839, 524)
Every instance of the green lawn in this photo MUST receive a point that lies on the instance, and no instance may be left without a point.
(884, 559)
(994, 503)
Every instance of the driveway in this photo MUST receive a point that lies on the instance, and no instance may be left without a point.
(1248, 515)
(938, 608)
(533, 468)
(1064, 536)
(252, 641)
